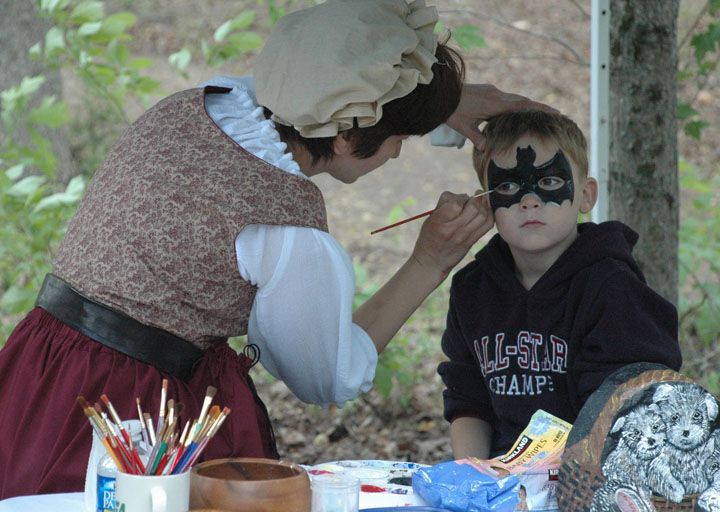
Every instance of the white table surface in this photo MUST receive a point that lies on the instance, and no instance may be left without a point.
(69, 502)
(75, 501)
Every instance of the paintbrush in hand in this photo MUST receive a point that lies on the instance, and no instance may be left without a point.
(420, 215)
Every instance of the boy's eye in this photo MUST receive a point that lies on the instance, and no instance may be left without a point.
(551, 183)
(507, 188)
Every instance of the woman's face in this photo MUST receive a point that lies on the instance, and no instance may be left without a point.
(348, 168)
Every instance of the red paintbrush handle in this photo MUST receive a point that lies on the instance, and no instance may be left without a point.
(126, 436)
(179, 453)
(127, 459)
(138, 461)
(425, 214)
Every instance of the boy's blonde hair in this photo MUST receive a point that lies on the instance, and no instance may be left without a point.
(504, 130)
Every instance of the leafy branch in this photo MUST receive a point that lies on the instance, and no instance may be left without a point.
(706, 50)
(92, 45)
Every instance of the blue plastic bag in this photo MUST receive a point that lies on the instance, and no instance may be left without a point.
(459, 486)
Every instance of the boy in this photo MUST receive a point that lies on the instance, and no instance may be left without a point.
(549, 307)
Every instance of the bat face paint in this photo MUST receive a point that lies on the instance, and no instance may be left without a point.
(552, 181)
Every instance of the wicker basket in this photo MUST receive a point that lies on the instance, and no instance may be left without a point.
(663, 504)
(576, 486)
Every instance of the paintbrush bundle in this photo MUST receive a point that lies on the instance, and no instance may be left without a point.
(171, 450)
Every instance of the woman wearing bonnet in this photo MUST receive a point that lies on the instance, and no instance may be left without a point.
(203, 223)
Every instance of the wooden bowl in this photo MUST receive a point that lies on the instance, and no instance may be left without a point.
(250, 485)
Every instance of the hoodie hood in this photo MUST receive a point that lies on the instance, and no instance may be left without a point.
(608, 240)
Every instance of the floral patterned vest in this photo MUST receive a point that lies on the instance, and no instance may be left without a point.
(154, 236)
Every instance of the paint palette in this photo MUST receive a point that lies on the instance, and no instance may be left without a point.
(383, 483)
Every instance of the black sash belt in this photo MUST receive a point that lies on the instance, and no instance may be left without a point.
(150, 345)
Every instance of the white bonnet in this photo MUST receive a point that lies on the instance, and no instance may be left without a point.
(325, 66)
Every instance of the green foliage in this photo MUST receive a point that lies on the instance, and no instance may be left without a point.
(231, 40)
(93, 45)
(399, 211)
(275, 12)
(396, 363)
(180, 60)
(467, 37)
(34, 208)
(706, 42)
(50, 113)
(706, 50)
(405, 357)
(397, 366)
(692, 128)
(34, 205)
(95, 48)
(699, 276)
(364, 288)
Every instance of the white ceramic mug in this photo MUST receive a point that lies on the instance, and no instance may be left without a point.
(140, 493)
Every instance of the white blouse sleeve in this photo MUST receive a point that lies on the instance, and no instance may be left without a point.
(443, 135)
(302, 315)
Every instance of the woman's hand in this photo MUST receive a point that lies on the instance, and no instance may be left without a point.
(480, 102)
(448, 234)
(445, 238)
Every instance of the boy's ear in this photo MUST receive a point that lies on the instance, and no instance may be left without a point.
(589, 195)
(342, 144)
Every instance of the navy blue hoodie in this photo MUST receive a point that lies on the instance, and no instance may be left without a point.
(512, 351)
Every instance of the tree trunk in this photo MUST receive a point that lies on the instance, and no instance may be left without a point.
(19, 30)
(643, 177)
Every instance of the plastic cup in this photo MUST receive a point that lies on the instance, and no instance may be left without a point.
(335, 493)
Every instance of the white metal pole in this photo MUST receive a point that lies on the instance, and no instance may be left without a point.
(599, 104)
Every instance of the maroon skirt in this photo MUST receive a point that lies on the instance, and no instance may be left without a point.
(45, 437)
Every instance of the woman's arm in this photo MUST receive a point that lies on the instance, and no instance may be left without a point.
(302, 315)
(445, 238)
(470, 437)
